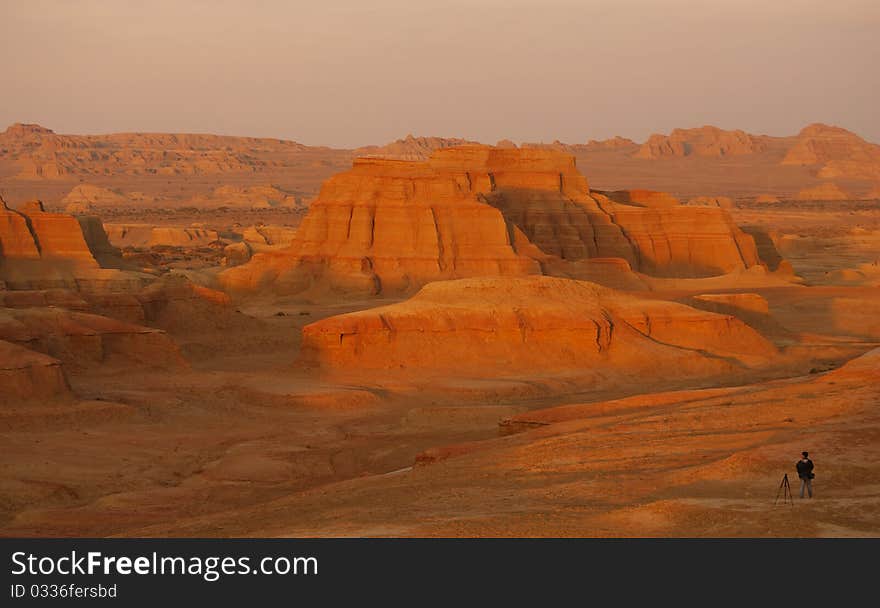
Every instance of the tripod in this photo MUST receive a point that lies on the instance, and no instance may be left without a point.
(785, 490)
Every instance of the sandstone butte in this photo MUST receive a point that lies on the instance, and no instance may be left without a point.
(825, 191)
(485, 325)
(703, 141)
(45, 249)
(391, 226)
(835, 152)
(41, 250)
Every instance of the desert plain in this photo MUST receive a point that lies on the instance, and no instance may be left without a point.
(228, 336)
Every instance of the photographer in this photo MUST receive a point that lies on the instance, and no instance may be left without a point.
(805, 472)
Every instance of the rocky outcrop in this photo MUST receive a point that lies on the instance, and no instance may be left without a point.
(82, 198)
(613, 145)
(16, 239)
(536, 323)
(412, 148)
(616, 143)
(144, 236)
(834, 152)
(172, 303)
(643, 198)
(253, 197)
(40, 153)
(826, 191)
(58, 236)
(705, 141)
(82, 339)
(268, 234)
(60, 298)
(392, 226)
(26, 375)
(236, 254)
(725, 202)
(767, 199)
(675, 241)
(40, 250)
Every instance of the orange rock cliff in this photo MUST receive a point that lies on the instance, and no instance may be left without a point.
(392, 226)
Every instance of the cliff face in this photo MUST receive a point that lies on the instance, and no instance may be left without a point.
(40, 250)
(58, 236)
(704, 141)
(16, 239)
(835, 152)
(392, 226)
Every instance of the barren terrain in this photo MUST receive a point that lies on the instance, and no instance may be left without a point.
(458, 340)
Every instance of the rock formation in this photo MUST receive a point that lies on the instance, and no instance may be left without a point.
(26, 375)
(835, 152)
(615, 143)
(269, 234)
(144, 236)
(16, 239)
(41, 153)
(82, 339)
(41, 250)
(725, 202)
(82, 198)
(766, 198)
(254, 197)
(392, 226)
(58, 236)
(826, 191)
(704, 141)
(411, 148)
(537, 323)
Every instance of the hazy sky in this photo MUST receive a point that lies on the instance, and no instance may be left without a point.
(353, 72)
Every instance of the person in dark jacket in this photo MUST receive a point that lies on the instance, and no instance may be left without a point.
(805, 472)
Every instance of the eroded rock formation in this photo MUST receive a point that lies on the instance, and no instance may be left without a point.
(392, 226)
(826, 191)
(835, 152)
(80, 339)
(143, 236)
(485, 325)
(27, 375)
(704, 141)
(82, 198)
(411, 147)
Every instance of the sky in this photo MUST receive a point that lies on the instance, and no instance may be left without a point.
(347, 73)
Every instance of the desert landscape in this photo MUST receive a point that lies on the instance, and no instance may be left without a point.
(205, 335)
